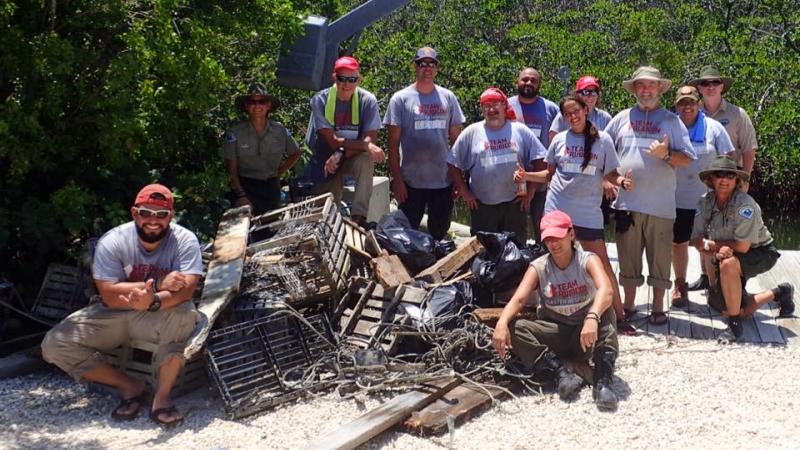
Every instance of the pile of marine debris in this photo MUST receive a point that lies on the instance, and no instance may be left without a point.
(301, 300)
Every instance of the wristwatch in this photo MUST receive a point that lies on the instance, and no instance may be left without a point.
(156, 305)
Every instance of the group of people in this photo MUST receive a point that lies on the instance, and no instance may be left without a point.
(676, 179)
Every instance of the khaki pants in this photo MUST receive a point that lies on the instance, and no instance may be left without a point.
(77, 344)
(531, 338)
(650, 234)
(361, 167)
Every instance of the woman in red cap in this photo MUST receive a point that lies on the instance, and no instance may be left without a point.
(574, 318)
(587, 88)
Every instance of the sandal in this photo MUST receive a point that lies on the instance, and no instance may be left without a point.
(658, 318)
(625, 328)
(169, 410)
(138, 400)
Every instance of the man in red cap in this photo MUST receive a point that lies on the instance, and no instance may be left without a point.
(490, 151)
(146, 271)
(342, 133)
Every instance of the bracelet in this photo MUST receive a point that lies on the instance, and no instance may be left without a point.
(592, 316)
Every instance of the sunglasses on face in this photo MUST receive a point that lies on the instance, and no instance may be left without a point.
(146, 213)
(424, 64)
(588, 93)
(344, 79)
(710, 83)
(721, 174)
(261, 101)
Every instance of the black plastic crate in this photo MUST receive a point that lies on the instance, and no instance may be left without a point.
(63, 292)
(253, 364)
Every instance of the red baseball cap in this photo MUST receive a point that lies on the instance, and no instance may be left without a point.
(155, 194)
(346, 63)
(586, 82)
(555, 224)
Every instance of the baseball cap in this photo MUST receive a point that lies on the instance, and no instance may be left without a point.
(687, 92)
(555, 224)
(346, 63)
(426, 52)
(587, 81)
(155, 194)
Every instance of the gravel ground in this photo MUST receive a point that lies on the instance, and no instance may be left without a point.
(675, 393)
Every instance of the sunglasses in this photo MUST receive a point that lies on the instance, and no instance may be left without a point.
(589, 92)
(344, 79)
(424, 64)
(710, 83)
(722, 174)
(261, 101)
(146, 213)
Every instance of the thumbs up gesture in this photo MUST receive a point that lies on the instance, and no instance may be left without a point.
(519, 174)
(627, 181)
(659, 149)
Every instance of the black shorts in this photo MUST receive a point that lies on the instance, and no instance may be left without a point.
(588, 234)
(755, 262)
(682, 228)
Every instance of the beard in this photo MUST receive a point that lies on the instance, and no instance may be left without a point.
(150, 238)
(528, 92)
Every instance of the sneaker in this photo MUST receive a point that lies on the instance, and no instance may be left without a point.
(699, 284)
(786, 299)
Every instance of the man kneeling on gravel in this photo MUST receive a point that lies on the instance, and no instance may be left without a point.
(146, 272)
(575, 320)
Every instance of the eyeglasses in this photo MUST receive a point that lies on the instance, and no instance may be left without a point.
(493, 105)
(589, 92)
(146, 213)
(722, 174)
(261, 101)
(344, 79)
(426, 63)
(705, 83)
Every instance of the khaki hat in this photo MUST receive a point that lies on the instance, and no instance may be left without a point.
(687, 92)
(257, 89)
(722, 164)
(711, 73)
(647, 73)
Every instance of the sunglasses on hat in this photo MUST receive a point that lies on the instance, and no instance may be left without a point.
(147, 213)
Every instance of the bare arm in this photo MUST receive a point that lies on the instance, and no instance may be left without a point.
(461, 186)
(602, 300)
(173, 290)
(393, 138)
(453, 133)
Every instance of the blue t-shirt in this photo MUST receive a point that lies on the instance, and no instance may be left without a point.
(632, 131)
(690, 188)
(491, 158)
(424, 121)
(538, 116)
(578, 192)
(120, 256)
(343, 126)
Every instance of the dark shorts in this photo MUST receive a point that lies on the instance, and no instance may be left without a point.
(588, 234)
(755, 262)
(682, 229)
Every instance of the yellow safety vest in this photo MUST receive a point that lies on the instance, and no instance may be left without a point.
(330, 106)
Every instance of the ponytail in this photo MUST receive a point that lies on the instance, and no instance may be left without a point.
(590, 135)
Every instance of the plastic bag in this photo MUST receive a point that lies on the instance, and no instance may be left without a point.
(446, 302)
(443, 247)
(413, 247)
(502, 263)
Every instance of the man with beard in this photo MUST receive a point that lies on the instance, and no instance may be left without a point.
(537, 113)
(423, 120)
(651, 142)
(146, 272)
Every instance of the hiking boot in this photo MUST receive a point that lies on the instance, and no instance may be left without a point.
(735, 325)
(699, 284)
(680, 294)
(567, 382)
(785, 297)
(603, 394)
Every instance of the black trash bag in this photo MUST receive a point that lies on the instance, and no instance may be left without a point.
(502, 263)
(443, 247)
(413, 247)
(446, 302)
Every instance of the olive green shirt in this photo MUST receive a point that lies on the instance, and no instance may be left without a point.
(740, 220)
(258, 156)
(739, 127)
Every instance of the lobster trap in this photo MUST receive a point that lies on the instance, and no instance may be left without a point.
(259, 364)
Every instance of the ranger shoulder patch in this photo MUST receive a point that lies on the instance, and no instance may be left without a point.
(746, 212)
(230, 137)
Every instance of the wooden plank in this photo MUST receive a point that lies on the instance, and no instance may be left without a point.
(447, 266)
(382, 418)
(224, 274)
(764, 317)
(490, 316)
(390, 271)
(348, 326)
(463, 403)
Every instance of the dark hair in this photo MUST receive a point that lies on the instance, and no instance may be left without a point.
(590, 133)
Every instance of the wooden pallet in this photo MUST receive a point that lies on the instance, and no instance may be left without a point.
(61, 294)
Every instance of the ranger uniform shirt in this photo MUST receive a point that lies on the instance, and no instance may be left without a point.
(566, 295)
(258, 157)
(739, 127)
(740, 220)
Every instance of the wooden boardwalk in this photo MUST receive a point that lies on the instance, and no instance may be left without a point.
(702, 322)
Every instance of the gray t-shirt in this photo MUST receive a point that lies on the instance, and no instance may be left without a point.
(565, 295)
(572, 190)
(120, 256)
(632, 131)
(598, 117)
(491, 157)
(424, 121)
(690, 187)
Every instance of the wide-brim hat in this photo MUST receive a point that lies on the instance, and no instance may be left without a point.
(647, 73)
(724, 164)
(257, 89)
(711, 73)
